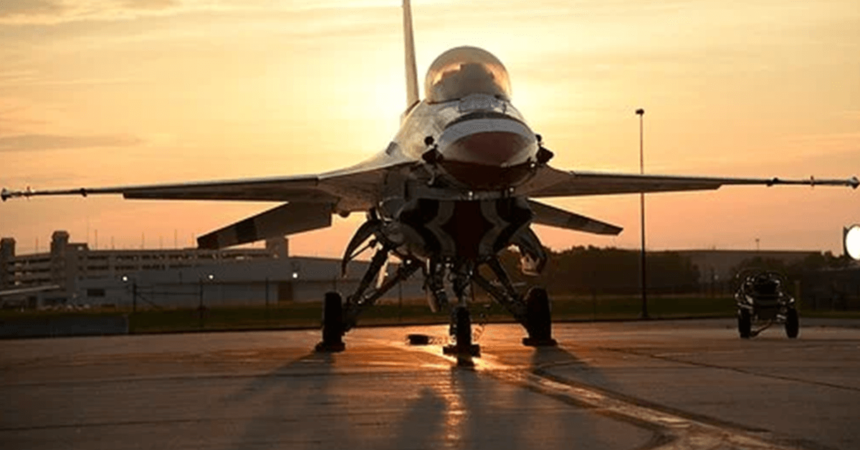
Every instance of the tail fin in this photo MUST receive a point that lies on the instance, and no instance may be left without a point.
(411, 71)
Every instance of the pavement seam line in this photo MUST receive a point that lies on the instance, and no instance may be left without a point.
(733, 369)
(680, 433)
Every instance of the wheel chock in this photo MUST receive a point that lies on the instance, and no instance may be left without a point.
(418, 339)
(330, 347)
(539, 342)
(472, 350)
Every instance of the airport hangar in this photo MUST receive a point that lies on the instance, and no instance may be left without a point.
(74, 274)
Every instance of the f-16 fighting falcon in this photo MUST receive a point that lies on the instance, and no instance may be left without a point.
(455, 186)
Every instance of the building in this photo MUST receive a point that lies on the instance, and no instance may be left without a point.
(72, 273)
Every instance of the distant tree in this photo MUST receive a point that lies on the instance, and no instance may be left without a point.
(814, 261)
(794, 271)
(592, 270)
(759, 263)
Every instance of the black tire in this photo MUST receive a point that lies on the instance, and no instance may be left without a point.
(418, 339)
(464, 328)
(332, 319)
(538, 315)
(792, 323)
(744, 323)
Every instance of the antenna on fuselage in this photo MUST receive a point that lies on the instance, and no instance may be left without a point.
(411, 70)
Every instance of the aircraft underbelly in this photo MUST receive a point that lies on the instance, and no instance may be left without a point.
(462, 229)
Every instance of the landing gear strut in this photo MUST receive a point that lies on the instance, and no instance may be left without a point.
(461, 321)
(340, 317)
(534, 314)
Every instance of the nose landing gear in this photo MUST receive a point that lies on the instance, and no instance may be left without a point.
(461, 321)
(461, 330)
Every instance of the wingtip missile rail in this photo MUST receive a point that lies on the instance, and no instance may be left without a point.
(6, 194)
(852, 182)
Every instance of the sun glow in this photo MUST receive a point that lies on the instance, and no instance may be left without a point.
(852, 242)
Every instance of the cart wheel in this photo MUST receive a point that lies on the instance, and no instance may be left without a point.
(792, 323)
(744, 323)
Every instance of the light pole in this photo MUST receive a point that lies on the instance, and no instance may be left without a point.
(644, 284)
(125, 279)
(201, 307)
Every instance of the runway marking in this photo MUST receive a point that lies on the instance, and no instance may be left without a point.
(672, 431)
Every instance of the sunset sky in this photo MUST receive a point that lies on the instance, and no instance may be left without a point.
(113, 92)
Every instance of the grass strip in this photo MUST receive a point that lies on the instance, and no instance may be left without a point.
(307, 315)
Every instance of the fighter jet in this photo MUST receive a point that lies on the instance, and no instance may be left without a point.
(454, 187)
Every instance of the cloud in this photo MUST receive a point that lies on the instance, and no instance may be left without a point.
(54, 12)
(51, 12)
(149, 4)
(37, 80)
(21, 8)
(19, 117)
(38, 142)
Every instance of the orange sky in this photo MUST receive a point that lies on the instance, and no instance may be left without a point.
(99, 92)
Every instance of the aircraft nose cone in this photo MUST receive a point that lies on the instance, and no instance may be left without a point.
(492, 148)
(487, 153)
(498, 142)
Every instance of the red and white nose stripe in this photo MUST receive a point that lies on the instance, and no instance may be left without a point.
(497, 142)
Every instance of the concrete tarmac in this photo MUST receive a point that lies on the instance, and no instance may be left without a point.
(661, 384)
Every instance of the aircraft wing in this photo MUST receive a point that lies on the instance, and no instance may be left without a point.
(551, 182)
(352, 189)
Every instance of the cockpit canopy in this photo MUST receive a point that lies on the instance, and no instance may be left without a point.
(463, 71)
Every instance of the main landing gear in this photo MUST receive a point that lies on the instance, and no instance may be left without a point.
(538, 319)
(339, 317)
(532, 311)
(332, 324)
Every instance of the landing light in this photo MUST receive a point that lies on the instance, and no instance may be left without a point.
(852, 241)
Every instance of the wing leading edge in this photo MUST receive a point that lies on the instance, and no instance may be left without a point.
(348, 190)
(551, 182)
